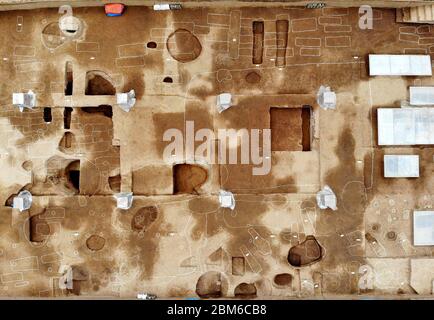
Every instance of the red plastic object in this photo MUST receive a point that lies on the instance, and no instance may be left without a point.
(114, 9)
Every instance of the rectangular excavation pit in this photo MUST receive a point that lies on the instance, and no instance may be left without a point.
(67, 114)
(47, 115)
(282, 27)
(66, 141)
(62, 178)
(72, 174)
(290, 129)
(258, 41)
(238, 266)
(188, 178)
(68, 78)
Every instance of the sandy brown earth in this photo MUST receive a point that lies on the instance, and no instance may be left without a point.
(276, 242)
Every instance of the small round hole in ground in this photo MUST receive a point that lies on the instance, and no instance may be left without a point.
(376, 227)
(168, 80)
(283, 279)
(95, 242)
(245, 290)
(391, 235)
(151, 45)
(253, 77)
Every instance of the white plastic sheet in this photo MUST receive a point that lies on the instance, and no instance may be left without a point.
(405, 126)
(423, 228)
(401, 166)
(421, 96)
(399, 65)
(226, 199)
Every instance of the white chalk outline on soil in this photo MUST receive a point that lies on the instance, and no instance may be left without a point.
(20, 23)
(348, 30)
(30, 48)
(338, 46)
(308, 38)
(310, 55)
(305, 30)
(77, 43)
(119, 47)
(405, 40)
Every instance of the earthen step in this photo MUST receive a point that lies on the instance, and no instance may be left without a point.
(413, 14)
(421, 13)
(428, 15)
(404, 13)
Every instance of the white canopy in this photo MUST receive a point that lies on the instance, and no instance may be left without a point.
(423, 228)
(421, 96)
(399, 65)
(23, 201)
(401, 166)
(224, 101)
(124, 200)
(326, 198)
(24, 100)
(226, 199)
(161, 6)
(326, 98)
(126, 100)
(405, 126)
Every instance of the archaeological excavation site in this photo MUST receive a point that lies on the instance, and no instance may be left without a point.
(218, 150)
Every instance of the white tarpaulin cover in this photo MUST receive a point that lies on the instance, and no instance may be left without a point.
(226, 199)
(421, 96)
(326, 98)
(423, 228)
(401, 166)
(224, 101)
(161, 6)
(326, 198)
(405, 126)
(124, 200)
(126, 100)
(399, 65)
(23, 201)
(24, 100)
(66, 280)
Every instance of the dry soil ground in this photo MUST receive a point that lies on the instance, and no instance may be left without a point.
(277, 242)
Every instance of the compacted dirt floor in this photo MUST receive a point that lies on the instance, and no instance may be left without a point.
(77, 148)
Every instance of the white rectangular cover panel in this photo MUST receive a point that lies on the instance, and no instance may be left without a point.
(399, 65)
(422, 96)
(423, 228)
(405, 126)
(161, 6)
(401, 166)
